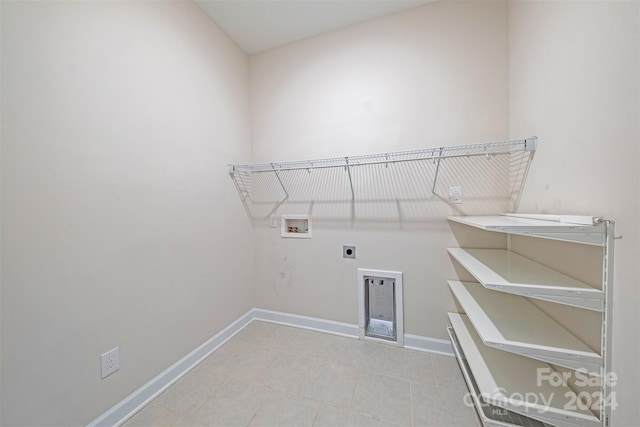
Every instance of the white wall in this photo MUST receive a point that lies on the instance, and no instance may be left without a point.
(431, 76)
(120, 225)
(574, 81)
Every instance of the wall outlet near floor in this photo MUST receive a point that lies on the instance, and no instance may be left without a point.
(455, 195)
(110, 362)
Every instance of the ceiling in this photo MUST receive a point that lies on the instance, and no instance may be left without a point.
(258, 25)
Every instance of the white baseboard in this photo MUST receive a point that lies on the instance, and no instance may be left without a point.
(305, 322)
(412, 342)
(128, 407)
(430, 345)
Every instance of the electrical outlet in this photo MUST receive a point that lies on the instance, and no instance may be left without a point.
(455, 195)
(349, 252)
(110, 362)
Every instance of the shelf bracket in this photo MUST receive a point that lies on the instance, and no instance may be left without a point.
(348, 168)
(435, 176)
(286, 193)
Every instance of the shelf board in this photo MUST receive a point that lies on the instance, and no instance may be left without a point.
(511, 382)
(490, 415)
(587, 234)
(506, 271)
(512, 323)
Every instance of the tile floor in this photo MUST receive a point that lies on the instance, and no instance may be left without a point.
(273, 375)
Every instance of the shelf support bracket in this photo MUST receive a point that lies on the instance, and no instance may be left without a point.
(280, 181)
(353, 195)
(286, 193)
(435, 175)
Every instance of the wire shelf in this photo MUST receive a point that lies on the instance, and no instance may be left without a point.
(380, 185)
(484, 149)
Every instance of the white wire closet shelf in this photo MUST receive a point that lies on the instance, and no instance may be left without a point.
(483, 149)
(410, 177)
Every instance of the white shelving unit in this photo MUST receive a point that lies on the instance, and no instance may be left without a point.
(503, 339)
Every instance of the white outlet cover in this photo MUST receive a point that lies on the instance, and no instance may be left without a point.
(110, 362)
(455, 195)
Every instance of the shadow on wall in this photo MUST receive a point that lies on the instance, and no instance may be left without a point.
(403, 192)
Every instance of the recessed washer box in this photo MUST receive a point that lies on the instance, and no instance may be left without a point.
(380, 306)
(296, 226)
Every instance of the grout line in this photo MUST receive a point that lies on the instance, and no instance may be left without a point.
(433, 369)
(353, 395)
(254, 415)
(315, 418)
(413, 423)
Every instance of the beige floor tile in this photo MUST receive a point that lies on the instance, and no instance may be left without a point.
(330, 416)
(448, 373)
(383, 397)
(441, 406)
(259, 333)
(409, 365)
(234, 404)
(286, 372)
(291, 340)
(330, 383)
(385, 423)
(156, 416)
(326, 347)
(189, 393)
(239, 359)
(225, 353)
(364, 355)
(307, 343)
(282, 409)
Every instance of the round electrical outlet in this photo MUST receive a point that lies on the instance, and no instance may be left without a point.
(349, 252)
